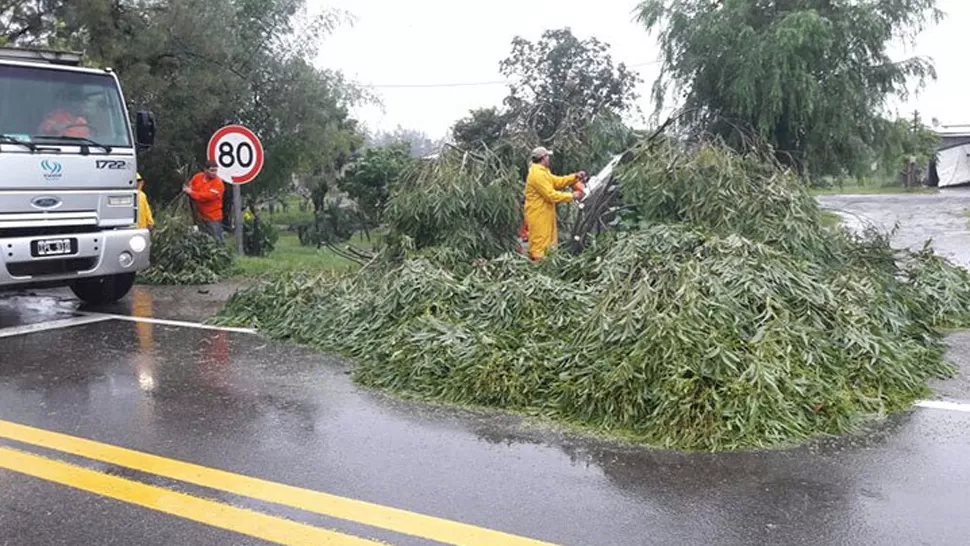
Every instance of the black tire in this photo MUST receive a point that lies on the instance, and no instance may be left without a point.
(103, 290)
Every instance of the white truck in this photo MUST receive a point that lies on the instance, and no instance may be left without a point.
(68, 195)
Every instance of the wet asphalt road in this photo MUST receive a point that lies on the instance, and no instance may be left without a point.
(238, 402)
(940, 217)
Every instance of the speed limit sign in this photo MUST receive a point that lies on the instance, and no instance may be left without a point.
(238, 152)
(239, 155)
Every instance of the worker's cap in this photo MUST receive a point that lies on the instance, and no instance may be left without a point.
(138, 177)
(540, 152)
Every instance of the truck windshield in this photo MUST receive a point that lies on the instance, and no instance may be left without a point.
(40, 102)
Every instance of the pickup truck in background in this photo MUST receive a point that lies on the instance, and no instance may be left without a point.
(68, 195)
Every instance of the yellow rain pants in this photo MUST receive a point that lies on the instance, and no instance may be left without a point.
(541, 196)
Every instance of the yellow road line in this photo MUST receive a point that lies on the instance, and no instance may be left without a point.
(375, 515)
(216, 514)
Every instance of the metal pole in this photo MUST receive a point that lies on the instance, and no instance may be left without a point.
(237, 206)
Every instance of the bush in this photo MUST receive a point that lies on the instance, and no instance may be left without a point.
(180, 254)
(730, 317)
(259, 237)
(331, 225)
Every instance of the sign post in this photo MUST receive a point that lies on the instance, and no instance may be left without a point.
(239, 154)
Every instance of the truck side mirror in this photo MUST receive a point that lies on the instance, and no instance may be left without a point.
(145, 129)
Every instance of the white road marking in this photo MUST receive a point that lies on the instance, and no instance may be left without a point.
(963, 407)
(167, 322)
(50, 325)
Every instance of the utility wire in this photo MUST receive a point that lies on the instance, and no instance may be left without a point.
(465, 84)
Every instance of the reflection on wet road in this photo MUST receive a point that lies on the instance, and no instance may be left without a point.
(212, 513)
(159, 432)
(193, 508)
(19, 311)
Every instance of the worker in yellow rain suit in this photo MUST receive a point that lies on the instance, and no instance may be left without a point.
(145, 218)
(542, 194)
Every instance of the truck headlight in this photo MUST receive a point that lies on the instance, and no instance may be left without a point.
(121, 201)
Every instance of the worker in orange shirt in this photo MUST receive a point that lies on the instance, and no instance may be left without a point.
(206, 189)
(68, 119)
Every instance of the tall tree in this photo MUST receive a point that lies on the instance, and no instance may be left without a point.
(561, 85)
(483, 128)
(808, 77)
(564, 93)
(901, 142)
(27, 22)
(370, 179)
(200, 64)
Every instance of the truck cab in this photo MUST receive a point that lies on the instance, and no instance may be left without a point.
(68, 193)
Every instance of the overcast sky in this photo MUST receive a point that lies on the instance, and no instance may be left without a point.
(431, 61)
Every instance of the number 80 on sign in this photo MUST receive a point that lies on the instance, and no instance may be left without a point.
(238, 152)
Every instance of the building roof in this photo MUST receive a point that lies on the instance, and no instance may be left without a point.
(952, 135)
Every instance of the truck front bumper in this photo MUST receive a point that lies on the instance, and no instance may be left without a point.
(97, 254)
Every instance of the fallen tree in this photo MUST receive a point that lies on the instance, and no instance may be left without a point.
(718, 313)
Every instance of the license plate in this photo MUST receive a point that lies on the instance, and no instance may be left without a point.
(53, 247)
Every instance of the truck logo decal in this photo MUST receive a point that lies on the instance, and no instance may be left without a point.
(109, 164)
(45, 202)
(52, 169)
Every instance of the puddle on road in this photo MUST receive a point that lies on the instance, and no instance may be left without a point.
(23, 310)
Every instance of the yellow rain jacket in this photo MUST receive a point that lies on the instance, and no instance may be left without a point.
(541, 196)
(145, 218)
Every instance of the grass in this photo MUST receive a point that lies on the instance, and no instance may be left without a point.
(292, 216)
(289, 256)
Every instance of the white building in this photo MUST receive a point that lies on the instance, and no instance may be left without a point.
(952, 164)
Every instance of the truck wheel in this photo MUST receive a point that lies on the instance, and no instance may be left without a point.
(103, 290)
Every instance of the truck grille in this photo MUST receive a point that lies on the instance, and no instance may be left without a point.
(67, 218)
(27, 224)
(51, 267)
(41, 231)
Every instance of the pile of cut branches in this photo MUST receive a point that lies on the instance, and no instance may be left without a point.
(465, 206)
(183, 255)
(725, 315)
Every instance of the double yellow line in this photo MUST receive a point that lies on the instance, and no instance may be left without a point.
(224, 516)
